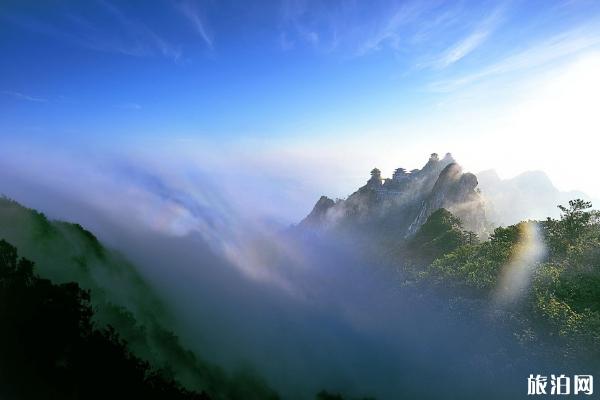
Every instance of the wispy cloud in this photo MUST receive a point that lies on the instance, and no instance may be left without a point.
(352, 27)
(389, 31)
(192, 13)
(305, 24)
(119, 34)
(140, 35)
(21, 96)
(402, 27)
(549, 50)
(462, 48)
(285, 43)
(470, 42)
(129, 106)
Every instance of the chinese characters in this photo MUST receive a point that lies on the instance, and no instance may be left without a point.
(560, 385)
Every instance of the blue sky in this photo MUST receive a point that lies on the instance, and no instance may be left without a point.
(308, 79)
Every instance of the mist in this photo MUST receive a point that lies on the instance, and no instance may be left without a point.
(306, 312)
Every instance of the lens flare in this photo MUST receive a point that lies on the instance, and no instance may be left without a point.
(516, 274)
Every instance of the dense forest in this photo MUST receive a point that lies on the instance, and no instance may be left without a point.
(543, 277)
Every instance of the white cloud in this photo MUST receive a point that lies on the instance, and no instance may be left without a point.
(471, 42)
(21, 96)
(552, 49)
(329, 26)
(462, 48)
(389, 31)
(191, 12)
(140, 35)
(125, 35)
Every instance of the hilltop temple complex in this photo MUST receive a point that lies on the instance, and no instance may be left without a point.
(401, 179)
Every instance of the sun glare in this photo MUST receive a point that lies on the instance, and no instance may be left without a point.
(555, 126)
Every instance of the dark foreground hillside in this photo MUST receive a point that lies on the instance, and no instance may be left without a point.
(122, 302)
(51, 349)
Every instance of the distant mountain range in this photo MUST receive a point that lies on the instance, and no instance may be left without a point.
(530, 195)
(401, 204)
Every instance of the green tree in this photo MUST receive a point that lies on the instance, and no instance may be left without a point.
(441, 234)
(567, 235)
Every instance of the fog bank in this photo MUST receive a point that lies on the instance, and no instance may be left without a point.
(305, 312)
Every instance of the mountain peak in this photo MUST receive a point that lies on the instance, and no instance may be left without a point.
(400, 204)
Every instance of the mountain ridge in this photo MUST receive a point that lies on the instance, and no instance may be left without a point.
(528, 195)
(401, 204)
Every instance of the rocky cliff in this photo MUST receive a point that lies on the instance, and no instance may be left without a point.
(401, 204)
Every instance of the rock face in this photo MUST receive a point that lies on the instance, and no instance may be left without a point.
(401, 204)
(318, 215)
